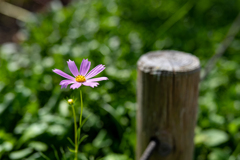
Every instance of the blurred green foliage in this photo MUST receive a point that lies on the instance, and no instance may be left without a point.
(33, 109)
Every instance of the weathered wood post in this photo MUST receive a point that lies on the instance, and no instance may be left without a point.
(167, 96)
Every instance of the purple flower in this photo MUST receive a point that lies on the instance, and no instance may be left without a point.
(81, 77)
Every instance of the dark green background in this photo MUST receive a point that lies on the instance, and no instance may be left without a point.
(34, 113)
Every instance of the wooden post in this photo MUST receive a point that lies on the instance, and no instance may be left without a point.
(167, 99)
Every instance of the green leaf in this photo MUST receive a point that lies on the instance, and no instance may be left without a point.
(219, 154)
(69, 139)
(115, 157)
(84, 121)
(55, 152)
(63, 153)
(39, 146)
(71, 150)
(44, 156)
(211, 137)
(20, 154)
(84, 137)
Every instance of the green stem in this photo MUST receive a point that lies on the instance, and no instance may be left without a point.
(80, 123)
(75, 128)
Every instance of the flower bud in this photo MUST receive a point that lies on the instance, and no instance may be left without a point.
(70, 101)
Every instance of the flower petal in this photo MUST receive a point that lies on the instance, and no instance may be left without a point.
(97, 79)
(91, 84)
(95, 71)
(64, 85)
(75, 85)
(66, 81)
(72, 67)
(61, 73)
(84, 68)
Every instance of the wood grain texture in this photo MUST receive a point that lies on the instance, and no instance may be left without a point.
(167, 95)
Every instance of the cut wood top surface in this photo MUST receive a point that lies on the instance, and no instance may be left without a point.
(168, 60)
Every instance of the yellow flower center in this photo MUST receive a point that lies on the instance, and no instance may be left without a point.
(80, 78)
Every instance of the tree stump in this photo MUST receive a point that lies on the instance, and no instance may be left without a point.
(167, 96)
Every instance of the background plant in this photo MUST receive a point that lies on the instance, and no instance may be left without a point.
(115, 33)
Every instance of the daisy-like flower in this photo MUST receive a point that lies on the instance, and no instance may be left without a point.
(81, 77)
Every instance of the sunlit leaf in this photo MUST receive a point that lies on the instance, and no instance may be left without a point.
(211, 137)
(20, 153)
